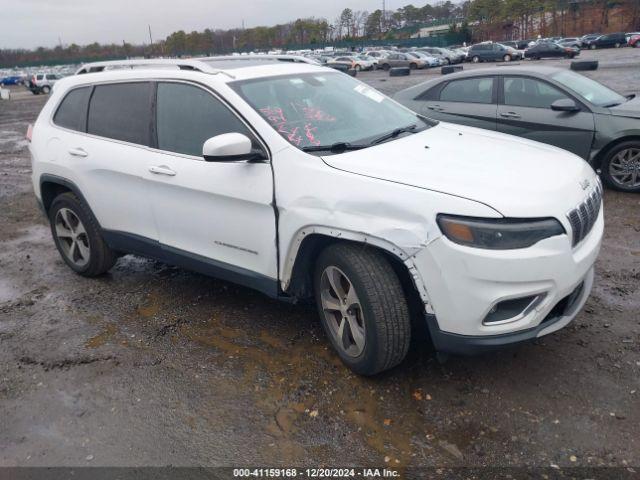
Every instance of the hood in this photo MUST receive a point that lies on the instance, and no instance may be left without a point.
(516, 177)
(630, 108)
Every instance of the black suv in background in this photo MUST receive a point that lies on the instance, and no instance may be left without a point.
(491, 52)
(610, 40)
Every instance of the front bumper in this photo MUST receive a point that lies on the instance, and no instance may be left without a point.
(464, 285)
(561, 315)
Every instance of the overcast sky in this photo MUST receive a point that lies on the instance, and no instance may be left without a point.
(33, 23)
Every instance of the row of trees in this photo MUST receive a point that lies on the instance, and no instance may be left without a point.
(498, 19)
(488, 19)
(349, 25)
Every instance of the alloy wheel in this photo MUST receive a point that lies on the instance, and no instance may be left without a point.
(72, 237)
(624, 167)
(342, 311)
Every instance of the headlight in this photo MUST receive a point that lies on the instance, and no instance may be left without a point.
(498, 233)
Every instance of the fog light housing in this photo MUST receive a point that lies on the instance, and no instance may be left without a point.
(512, 309)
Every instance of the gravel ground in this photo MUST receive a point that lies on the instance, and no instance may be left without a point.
(154, 365)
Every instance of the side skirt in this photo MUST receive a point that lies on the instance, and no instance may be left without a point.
(130, 243)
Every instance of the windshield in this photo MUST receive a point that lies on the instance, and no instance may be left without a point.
(317, 109)
(588, 89)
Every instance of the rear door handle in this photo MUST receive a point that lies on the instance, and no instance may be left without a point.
(510, 115)
(78, 152)
(162, 170)
(437, 108)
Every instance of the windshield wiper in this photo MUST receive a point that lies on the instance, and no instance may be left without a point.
(394, 134)
(337, 147)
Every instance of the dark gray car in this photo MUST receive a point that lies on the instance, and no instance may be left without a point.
(549, 105)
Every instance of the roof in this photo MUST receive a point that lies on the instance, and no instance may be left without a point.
(215, 69)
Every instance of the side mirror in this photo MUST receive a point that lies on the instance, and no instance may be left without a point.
(565, 105)
(230, 147)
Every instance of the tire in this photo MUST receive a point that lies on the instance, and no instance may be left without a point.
(617, 45)
(382, 308)
(94, 257)
(46, 89)
(386, 66)
(611, 161)
(357, 68)
(581, 65)
(447, 61)
(592, 47)
(399, 72)
(413, 66)
(637, 44)
(475, 59)
(507, 58)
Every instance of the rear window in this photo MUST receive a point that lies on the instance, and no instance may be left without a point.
(72, 112)
(471, 90)
(121, 111)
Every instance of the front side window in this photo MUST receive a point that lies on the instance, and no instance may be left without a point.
(317, 109)
(72, 112)
(470, 90)
(187, 116)
(528, 92)
(590, 90)
(121, 111)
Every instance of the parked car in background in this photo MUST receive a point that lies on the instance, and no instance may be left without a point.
(585, 39)
(401, 60)
(431, 60)
(492, 52)
(351, 62)
(377, 53)
(42, 83)
(570, 42)
(550, 50)
(368, 62)
(12, 80)
(304, 183)
(630, 35)
(634, 41)
(610, 40)
(449, 56)
(550, 105)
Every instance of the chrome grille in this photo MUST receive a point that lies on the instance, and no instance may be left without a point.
(584, 216)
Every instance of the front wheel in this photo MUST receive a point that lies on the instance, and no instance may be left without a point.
(362, 307)
(475, 59)
(617, 45)
(621, 167)
(592, 47)
(46, 89)
(78, 238)
(413, 66)
(507, 58)
(385, 66)
(357, 68)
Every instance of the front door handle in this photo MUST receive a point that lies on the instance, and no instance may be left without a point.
(78, 152)
(510, 115)
(437, 108)
(162, 170)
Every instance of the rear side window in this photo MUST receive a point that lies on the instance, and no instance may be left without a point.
(188, 116)
(121, 111)
(471, 90)
(72, 112)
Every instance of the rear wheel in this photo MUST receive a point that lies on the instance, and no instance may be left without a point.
(621, 167)
(592, 47)
(476, 59)
(507, 58)
(78, 238)
(413, 66)
(385, 66)
(617, 45)
(46, 89)
(357, 67)
(362, 307)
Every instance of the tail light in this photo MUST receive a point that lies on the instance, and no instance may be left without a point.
(29, 134)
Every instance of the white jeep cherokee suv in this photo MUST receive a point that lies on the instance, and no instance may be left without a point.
(301, 182)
